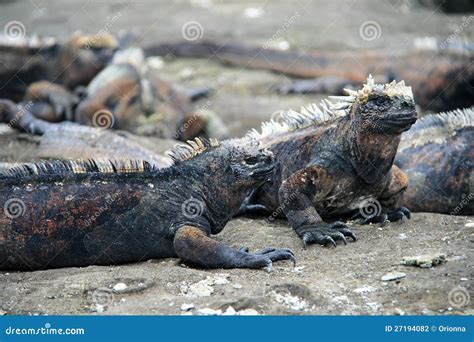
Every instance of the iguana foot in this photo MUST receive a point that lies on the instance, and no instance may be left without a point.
(400, 214)
(271, 255)
(327, 233)
(253, 209)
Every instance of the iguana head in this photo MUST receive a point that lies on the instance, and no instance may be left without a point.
(248, 164)
(382, 108)
(83, 56)
(241, 163)
(222, 173)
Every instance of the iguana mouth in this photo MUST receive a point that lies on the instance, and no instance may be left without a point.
(400, 122)
(264, 171)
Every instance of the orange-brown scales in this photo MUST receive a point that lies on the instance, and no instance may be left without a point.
(105, 212)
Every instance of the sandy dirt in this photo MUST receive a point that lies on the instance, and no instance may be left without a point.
(342, 280)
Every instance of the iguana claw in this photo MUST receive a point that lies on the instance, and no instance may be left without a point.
(325, 233)
(272, 254)
(399, 214)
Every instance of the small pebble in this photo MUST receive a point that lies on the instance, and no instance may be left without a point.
(187, 306)
(393, 276)
(210, 312)
(230, 311)
(119, 287)
(248, 312)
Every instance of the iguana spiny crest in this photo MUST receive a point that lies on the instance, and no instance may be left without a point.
(328, 112)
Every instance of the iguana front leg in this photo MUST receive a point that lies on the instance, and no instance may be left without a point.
(389, 208)
(295, 196)
(194, 246)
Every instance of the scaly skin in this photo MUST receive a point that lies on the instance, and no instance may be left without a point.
(103, 212)
(328, 168)
(437, 154)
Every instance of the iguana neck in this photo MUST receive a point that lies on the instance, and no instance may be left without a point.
(201, 177)
(370, 153)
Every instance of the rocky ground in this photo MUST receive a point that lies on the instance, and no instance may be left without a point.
(342, 280)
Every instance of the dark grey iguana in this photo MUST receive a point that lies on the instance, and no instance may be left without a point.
(437, 154)
(337, 159)
(67, 213)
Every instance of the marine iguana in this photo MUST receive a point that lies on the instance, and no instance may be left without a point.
(122, 96)
(441, 80)
(437, 154)
(334, 160)
(71, 64)
(68, 213)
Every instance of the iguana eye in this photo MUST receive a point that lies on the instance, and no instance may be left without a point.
(251, 160)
